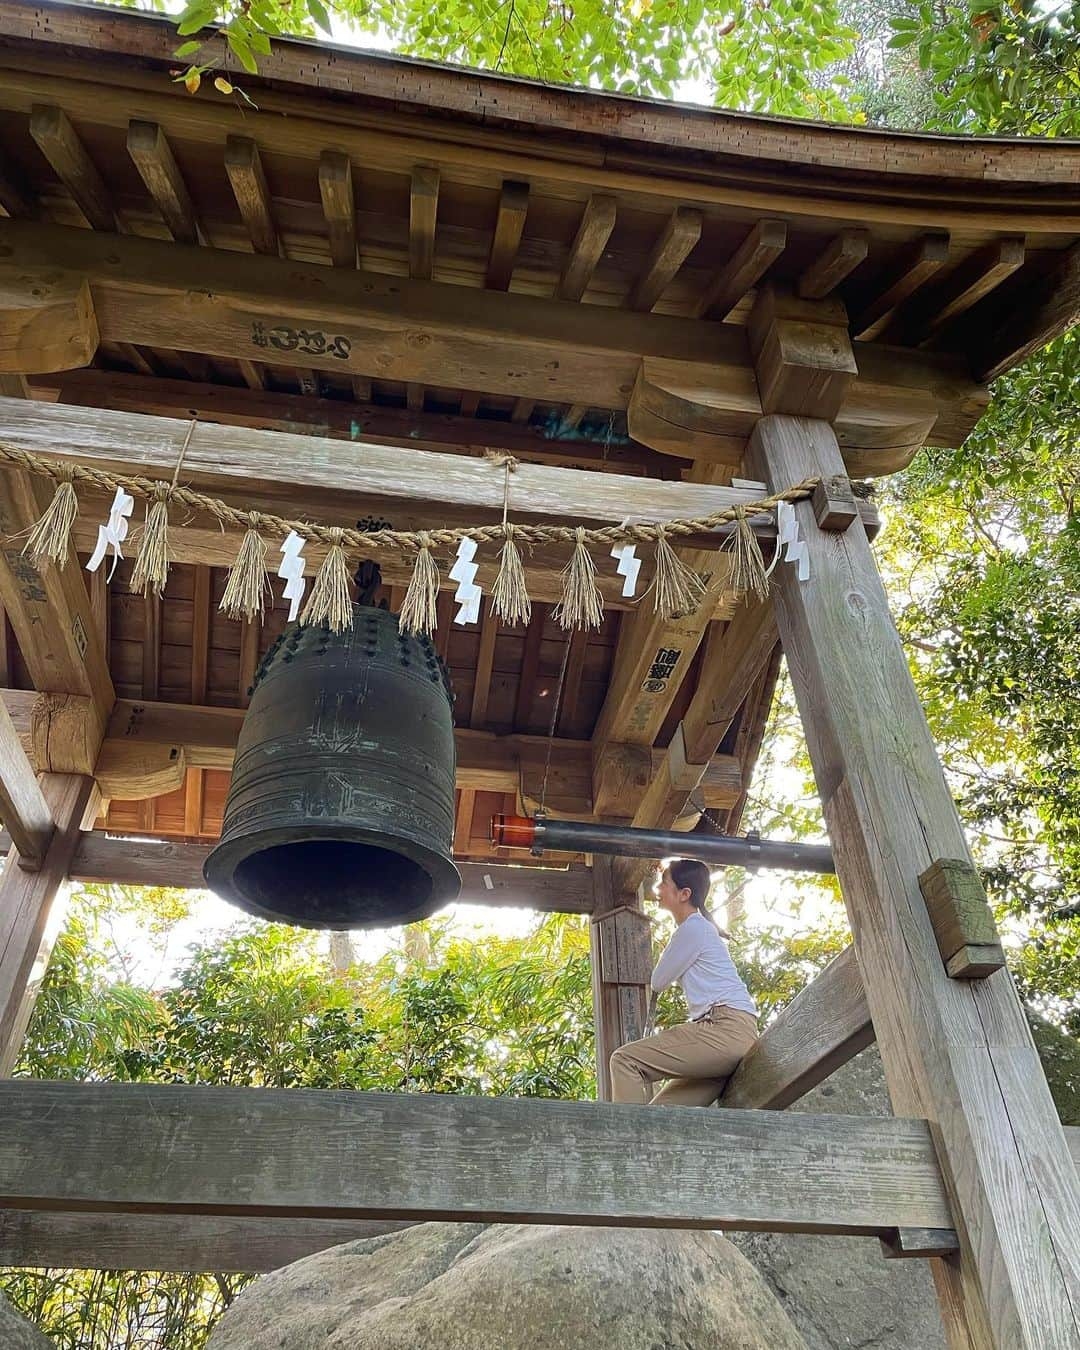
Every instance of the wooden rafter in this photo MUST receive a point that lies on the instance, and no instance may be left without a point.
(59, 142)
(673, 246)
(243, 164)
(152, 155)
(587, 248)
(339, 206)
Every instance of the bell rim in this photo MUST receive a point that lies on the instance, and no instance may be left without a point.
(221, 863)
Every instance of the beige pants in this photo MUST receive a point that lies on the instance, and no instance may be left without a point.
(697, 1058)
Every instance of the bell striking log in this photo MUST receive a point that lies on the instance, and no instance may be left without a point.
(340, 811)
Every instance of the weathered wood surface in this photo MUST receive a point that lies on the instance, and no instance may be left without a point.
(23, 808)
(28, 922)
(958, 1053)
(248, 1244)
(819, 1030)
(183, 1242)
(260, 1151)
(233, 456)
(159, 862)
(225, 303)
(149, 746)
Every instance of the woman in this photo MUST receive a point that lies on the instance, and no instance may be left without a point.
(698, 1057)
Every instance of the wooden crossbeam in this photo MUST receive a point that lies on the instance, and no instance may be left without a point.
(266, 1152)
(149, 746)
(165, 862)
(919, 262)
(181, 1242)
(252, 1244)
(273, 410)
(225, 304)
(251, 460)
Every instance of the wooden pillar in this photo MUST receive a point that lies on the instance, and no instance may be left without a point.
(620, 944)
(957, 1052)
(29, 917)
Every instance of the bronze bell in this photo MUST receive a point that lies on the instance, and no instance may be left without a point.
(340, 812)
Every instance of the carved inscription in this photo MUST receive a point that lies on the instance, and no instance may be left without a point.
(307, 342)
(661, 670)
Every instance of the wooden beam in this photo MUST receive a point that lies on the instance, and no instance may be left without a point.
(237, 457)
(753, 258)
(180, 1242)
(593, 233)
(423, 209)
(956, 1052)
(378, 325)
(837, 260)
(975, 276)
(733, 661)
(151, 740)
(50, 613)
(278, 411)
(28, 925)
(152, 154)
(1026, 316)
(23, 807)
(823, 1027)
(101, 859)
(157, 1149)
(899, 281)
(243, 164)
(59, 142)
(673, 246)
(509, 227)
(339, 206)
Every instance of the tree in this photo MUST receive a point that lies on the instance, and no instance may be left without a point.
(765, 55)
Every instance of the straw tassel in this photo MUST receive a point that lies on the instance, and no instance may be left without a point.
(509, 595)
(330, 602)
(582, 605)
(245, 589)
(677, 590)
(418, 612)
(151, 569)
(50, 538)
(748, 570)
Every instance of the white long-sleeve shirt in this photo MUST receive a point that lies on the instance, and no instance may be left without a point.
(697, 956)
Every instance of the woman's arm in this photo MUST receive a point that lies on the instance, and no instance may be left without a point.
(678, 956)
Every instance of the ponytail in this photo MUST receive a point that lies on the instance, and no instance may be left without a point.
(691, 875)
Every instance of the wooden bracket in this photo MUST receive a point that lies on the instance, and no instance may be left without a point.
(967, 937)
(921, 1242)
(835, 507)
(802, 353)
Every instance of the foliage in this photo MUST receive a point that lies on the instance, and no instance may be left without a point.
(769, 55)
(1007, 67)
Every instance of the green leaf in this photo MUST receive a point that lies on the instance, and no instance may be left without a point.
(242, 52)
(186, 49)
(199, 18)
(321, 18)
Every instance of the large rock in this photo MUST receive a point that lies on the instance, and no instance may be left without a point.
(467, 1287)
(16, 1333)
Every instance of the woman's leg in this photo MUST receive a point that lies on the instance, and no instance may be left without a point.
(694, 1050)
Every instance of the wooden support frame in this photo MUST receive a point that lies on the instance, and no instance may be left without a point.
(23, 808)
(28, 921)
(138, 291)
(298, 1153)
(958, 1053)
(98, 857)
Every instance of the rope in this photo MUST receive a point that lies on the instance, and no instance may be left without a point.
(391, 540)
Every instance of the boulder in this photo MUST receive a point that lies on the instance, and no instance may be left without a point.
(16, 1333)
(517, 1287)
